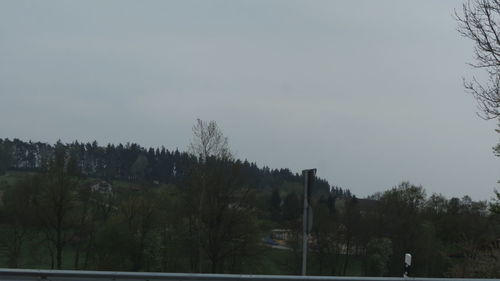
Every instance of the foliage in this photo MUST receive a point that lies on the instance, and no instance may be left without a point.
(131, 163)
(495, 206)
(378, 254)
(180, 212)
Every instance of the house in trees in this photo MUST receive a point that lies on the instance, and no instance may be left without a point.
(101, 187)
(282, 236)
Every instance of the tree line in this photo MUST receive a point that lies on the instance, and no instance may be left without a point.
(209, 212)
(455, 237)
(132, 162)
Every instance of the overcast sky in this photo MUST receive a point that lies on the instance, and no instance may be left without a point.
(368, 92)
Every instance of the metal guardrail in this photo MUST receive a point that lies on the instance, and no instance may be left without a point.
(80, 275)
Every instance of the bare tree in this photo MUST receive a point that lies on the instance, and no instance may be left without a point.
(222, 222)
(480, 22)
(208, 141)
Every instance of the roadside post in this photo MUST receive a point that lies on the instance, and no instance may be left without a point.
(309, 175)
(407, 265)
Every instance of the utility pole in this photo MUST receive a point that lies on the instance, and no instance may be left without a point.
(307, 219)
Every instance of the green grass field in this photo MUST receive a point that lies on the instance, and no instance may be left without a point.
(270, 261)
(282, 262)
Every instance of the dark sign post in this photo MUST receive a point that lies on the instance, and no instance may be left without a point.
(307, 219)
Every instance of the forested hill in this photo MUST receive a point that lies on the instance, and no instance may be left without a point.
(213, 214)
(132, 162)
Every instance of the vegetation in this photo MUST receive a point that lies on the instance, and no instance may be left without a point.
(82, 206)
(479, 22)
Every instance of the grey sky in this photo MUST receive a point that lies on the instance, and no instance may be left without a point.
(368, 92)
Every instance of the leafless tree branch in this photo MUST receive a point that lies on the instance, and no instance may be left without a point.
(479, 21)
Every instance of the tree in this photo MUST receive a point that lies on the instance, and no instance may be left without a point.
(113, 244)
(138, 169)
(399, 211)
(495, 206)
(275, 205)
(208, 141)
(137, 211)
(4, 157)
(84, 228)
(480, 22)
(224, 222)
(351, 222)
(57, 203)
(291, 207)
(480, 262)
(174, 242)
(291, 214)
(378, 254)
(225, 219)
(326, 244)
(496, 149)
(18, 208)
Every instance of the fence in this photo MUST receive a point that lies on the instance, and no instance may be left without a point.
(77, 275)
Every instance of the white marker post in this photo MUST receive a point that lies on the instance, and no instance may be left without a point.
(407, 265)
